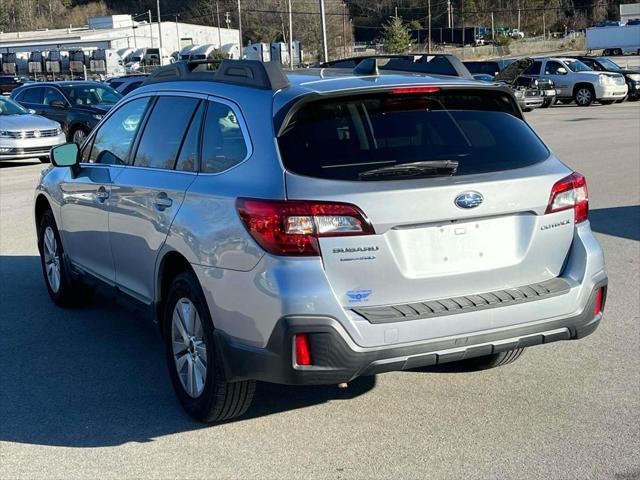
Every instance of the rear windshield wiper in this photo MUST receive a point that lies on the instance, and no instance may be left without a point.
(428, 168)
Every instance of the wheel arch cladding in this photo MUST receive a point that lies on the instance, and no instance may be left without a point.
(42, 205)
(172, 264)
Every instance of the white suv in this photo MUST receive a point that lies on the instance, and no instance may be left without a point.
(577, 82)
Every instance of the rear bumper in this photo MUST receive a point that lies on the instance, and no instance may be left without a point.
(337, 358)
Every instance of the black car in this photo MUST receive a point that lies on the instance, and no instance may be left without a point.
(77, 105)
(8, 83)
(604, 64)
(436, 64)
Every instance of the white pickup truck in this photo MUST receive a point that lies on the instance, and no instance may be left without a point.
(575, 81)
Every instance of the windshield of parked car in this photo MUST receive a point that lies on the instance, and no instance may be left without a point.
(9, 107)
(577, 66)
(608, 64)
(90, 94)
(341, 138)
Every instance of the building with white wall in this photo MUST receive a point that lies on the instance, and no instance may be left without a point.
(117, 32)
(629, 11)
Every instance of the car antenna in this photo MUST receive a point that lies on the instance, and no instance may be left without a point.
(368, 66)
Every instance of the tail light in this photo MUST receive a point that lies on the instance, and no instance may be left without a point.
(597, 310)
(570, 192)
(303, 356)
(292, 227)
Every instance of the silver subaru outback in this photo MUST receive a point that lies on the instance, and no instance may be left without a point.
(313, 227)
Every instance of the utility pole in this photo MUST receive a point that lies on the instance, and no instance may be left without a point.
(449, 13)
(218, 17)
(178, 33)
(150, 27)
(240, 27)
(518, 15)
(544, 26)
(493, 29)
(344, 28)
(429, 27)
(133, 27)
(290, 35)
(462, 11)
(160, 32)
(323, 26)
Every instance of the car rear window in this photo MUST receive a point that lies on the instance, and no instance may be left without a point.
(341, 138)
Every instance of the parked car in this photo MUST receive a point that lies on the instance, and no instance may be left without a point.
(605, 64)
(25, 135)
(441, 64)
(126, 83)
(539, 87)
(384, 222)
(77, 105)
(575, 81)
(8, 83)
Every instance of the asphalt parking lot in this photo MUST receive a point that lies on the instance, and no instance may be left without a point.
(85, 393)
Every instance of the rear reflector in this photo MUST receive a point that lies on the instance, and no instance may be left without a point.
(399, 91)
(570, 192)
(598, 308)
(303, 357)
(292, 227)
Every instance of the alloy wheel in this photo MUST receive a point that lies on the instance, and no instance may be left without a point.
(79, 136)
(51, 259)
(189, 347)
(583, 96)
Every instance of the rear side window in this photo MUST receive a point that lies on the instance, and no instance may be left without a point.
(343, 138)
(31, 95)
(223, 143)
(163, 133)
(533, 69)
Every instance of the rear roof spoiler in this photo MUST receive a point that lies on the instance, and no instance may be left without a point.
(246, 73)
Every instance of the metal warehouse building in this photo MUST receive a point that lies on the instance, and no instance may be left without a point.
(120, 31)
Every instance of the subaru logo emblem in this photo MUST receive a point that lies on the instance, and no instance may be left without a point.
(468, 200)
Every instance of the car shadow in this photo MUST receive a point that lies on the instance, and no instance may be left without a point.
(621, 222)
(96, 376)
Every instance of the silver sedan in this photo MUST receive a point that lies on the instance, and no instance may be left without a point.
(24, 135)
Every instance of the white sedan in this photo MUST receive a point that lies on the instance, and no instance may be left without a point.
(25, 135)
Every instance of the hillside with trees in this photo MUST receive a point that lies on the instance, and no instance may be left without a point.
(267, 20)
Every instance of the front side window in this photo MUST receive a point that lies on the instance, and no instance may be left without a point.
(113, 140)
(53, 95)
(349, 138)
(552, 68)
(91, 94)
(164, 132)
(223, 143)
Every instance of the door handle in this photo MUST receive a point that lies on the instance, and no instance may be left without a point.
(162, 201)
(102, 195)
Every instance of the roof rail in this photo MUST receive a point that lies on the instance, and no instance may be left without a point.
(247, 73)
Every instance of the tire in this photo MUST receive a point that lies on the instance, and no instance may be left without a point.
(200, 386)
(547, 103)
(606, 102)
(494, 360)
(635, 98)
(607, 52)
(617, 52)
(583, 95)
(77, 135)
(44, 159)
(63, 290)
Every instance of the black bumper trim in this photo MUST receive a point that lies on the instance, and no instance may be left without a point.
(464, 304)
(336, 358)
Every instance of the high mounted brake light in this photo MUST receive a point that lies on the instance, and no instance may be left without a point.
(401, 90)
(570, 192)
(292, 227)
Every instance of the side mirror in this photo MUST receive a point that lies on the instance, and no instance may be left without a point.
(58, 104)
(561, 71)
(65, 155)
